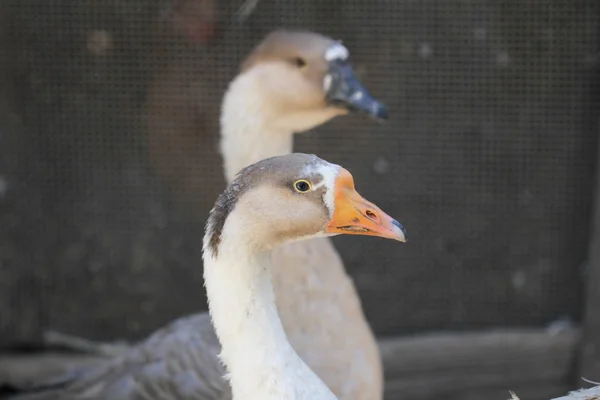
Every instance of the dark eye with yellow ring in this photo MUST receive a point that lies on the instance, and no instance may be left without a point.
(302, 186)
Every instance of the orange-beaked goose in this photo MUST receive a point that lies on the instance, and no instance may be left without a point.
(268, 204)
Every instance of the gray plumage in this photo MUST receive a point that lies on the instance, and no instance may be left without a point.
(179, 361)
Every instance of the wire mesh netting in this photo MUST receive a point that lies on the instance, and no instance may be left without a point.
(109, 159)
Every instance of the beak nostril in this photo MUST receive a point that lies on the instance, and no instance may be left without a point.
(371, 215)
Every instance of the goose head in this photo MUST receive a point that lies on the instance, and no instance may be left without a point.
(308, 80)
(293, 197)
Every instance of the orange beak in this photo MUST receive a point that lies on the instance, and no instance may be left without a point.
(354, 215)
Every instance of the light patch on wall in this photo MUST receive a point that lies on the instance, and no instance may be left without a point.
(425, 50)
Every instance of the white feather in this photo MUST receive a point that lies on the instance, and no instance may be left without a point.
(329, 173)
(337, 51)
(262, 364)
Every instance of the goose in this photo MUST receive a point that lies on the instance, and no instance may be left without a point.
(328, 327)
(268, 204)
(291, 82)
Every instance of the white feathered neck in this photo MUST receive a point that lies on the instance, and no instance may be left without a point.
(262, 364)
(248, 131)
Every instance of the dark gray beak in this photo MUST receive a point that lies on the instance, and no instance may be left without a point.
(346, 91)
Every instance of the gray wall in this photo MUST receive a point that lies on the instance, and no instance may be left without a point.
(487, 160)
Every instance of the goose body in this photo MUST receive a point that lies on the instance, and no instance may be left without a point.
(274, 96)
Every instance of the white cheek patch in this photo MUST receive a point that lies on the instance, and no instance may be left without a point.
(329, 173)
(337, 52)
(327, 82)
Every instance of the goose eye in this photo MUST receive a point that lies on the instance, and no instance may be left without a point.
(299, 62)
(302, 186)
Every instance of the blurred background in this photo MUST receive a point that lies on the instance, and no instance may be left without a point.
(109, 166)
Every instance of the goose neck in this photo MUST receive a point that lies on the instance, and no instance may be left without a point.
(259, 358)
(249, 131)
